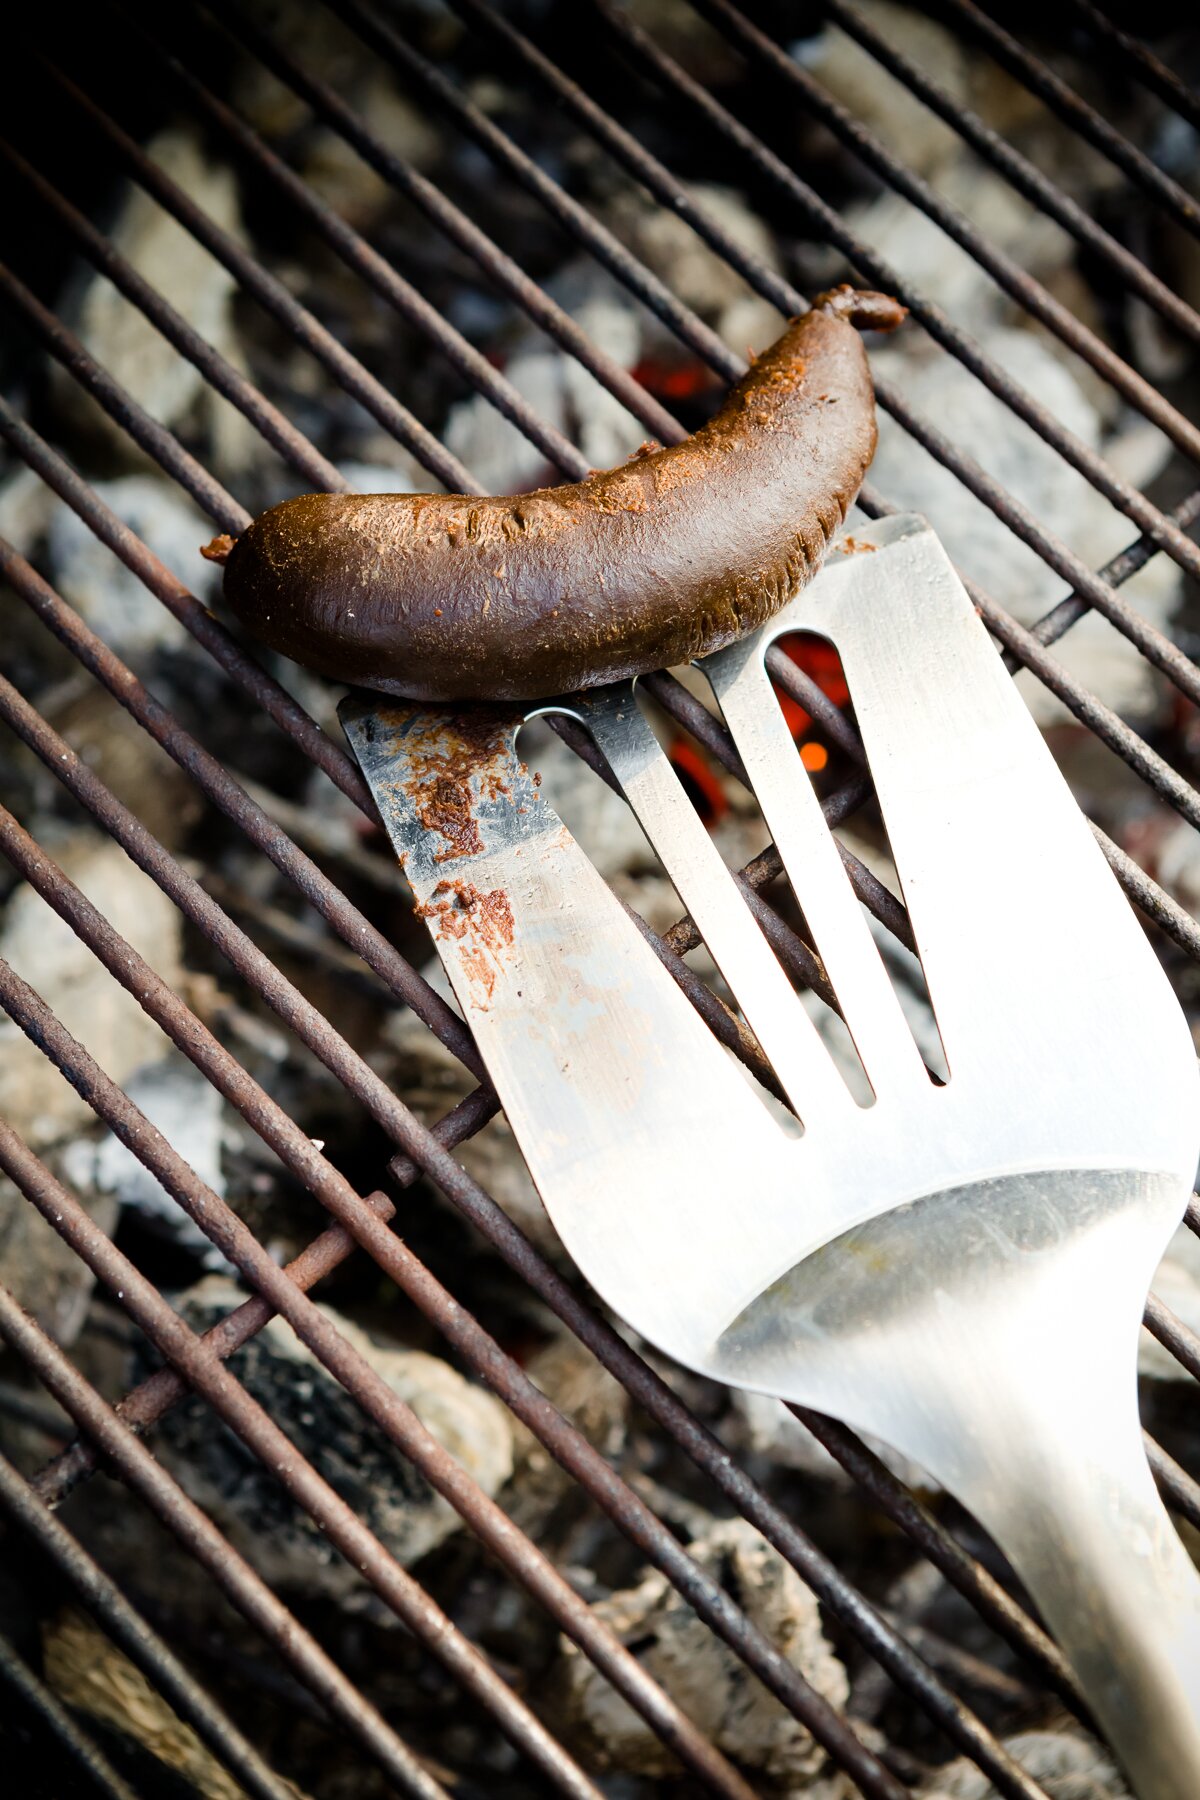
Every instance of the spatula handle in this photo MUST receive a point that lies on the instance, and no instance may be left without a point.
(990, 1332)
(1098, 1552)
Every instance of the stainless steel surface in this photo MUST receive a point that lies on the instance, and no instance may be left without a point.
(917, 1265)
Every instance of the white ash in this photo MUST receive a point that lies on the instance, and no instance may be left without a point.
(123, 340)
(1036, 475)
(45, 1275)
(110, 597)
(41, 1271)
(697, 275)
(876, 98)
(179, 1101)
(26, 507)
(559, 389)
(704, 1677)
(370, 1473)
(1068, 1765)
(34, 1098)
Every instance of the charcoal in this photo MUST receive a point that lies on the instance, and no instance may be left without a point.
(327, 1426)
(705, 1677)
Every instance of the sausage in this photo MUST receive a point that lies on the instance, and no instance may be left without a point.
(674, 554)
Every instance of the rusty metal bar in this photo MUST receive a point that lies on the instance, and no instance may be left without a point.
(1062, 99)
(1027, 179)
(271, 294)
(380, 274)
(194, 1530)
(222, 646)
(216, 369)
(144, 1647)
(396, 1419)
(478, 1206)
(1056, 555)
(1017, 282)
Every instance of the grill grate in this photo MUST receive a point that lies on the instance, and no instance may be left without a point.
(111, 1437)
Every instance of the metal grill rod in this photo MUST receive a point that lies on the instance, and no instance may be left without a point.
(179, 1514)
(395, 1587)
(1061, 98)
(1052, 551)
(1024, 176)
(1072, 568)
(137, 978)
(483, 1354)
(766, 54)
(298, 1152)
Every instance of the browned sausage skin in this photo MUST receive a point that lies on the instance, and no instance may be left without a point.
(672, 555)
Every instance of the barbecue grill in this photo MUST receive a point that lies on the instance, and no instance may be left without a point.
(510, 95)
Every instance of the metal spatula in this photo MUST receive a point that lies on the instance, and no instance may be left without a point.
(959, 1269)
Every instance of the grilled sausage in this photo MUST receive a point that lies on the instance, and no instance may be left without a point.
(674, 554)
